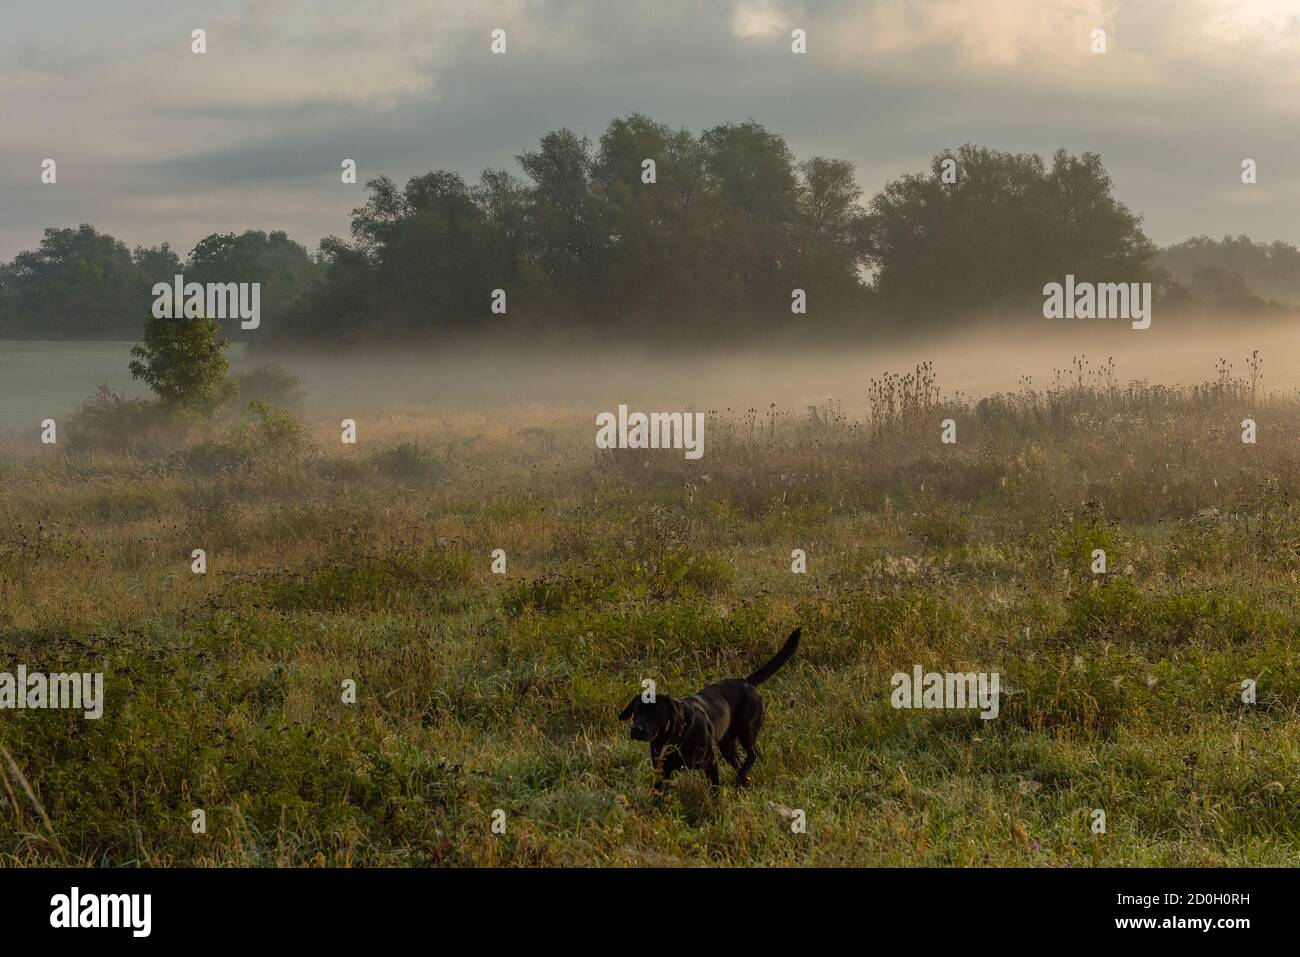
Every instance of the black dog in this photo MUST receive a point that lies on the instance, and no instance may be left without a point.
(683, 731)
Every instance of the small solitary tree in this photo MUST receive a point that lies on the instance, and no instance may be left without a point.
(184, 362)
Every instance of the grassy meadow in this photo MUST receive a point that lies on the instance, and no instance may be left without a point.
(479, 691)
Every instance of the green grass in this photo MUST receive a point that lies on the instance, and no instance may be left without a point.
(478, 691)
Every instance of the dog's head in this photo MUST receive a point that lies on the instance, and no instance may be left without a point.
(651, 719)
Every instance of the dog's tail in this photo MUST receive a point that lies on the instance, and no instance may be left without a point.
(782, 656)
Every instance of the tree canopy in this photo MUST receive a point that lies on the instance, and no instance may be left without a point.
(652, 231)
(80, 284)
(1234, 269)
(730, 225)
(83, 284)
(993, 238)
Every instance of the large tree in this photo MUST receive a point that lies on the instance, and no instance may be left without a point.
(80, 284)
(283, 268)
(83, 284)
(995, 236)
(184, 362)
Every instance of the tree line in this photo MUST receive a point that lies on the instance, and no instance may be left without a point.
(83, 284)
(652, 231)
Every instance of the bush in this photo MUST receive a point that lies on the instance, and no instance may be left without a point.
(263, 436)
(212, 458)
(263, 432)
(272, 384)
(110, 422)
(1080, 535)
(1105, 610)
(407, 461)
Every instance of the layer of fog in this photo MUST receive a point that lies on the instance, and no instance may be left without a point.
(40, 380)
(977, 364)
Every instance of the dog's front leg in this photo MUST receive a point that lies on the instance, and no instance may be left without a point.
(711, 768)
(665, 759)
(658, 764)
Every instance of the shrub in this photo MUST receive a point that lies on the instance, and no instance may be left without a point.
(110, 422)
(407, 461)
(264, 431)
(1080, 535)
(272, 384)
(212, 458)
(263, 436)
(1105, 610)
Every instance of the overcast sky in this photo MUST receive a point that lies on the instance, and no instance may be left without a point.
(154, 143)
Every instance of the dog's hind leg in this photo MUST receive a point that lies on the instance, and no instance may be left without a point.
(728, 748)
(711, 769)
(748, 735)
(742, 772)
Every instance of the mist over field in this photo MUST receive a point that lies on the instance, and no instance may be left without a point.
(39, 379)
(977, 363)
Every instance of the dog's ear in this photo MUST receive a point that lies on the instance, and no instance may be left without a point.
(631, 706)
(676, 716)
